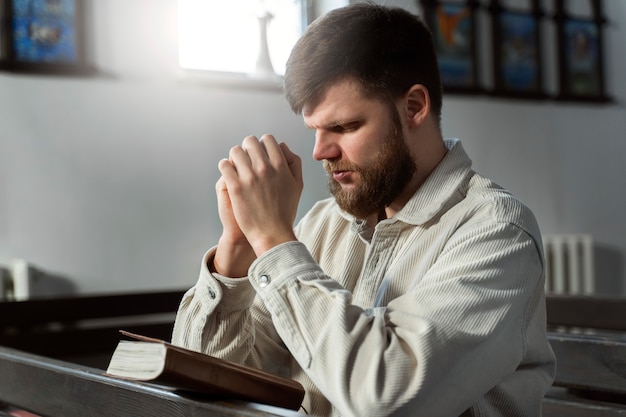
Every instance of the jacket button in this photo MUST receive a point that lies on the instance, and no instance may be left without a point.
(264, 280)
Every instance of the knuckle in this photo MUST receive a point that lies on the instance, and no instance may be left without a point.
(268, 137)
(236, 188)
(248, 140)
(264, 170)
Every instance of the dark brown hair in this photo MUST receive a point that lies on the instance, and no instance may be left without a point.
(385, 49)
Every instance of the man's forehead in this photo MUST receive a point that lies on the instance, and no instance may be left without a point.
(337, 89)
(340, 100)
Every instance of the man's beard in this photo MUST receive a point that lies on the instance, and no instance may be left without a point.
(381, 181)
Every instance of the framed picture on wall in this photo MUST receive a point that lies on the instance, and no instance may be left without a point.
(517, 63)
(581, 68)
(3, 38)
(453, 25)
(581, 61)
(43, 36)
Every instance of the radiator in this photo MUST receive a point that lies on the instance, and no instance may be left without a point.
(21, 280)
(16, 280)
(569, 264)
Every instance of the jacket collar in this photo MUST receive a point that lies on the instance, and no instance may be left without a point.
(441, 185)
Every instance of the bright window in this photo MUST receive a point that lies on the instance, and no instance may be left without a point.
(226, 35)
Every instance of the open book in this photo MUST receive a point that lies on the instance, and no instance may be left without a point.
(155, 360)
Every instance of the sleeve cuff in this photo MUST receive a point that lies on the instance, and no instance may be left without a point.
(233, 294)
(282, 263)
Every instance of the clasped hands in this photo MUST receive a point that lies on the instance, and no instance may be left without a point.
(257, 196)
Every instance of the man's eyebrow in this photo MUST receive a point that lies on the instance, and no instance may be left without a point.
(336, 123)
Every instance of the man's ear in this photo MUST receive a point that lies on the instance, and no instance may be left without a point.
(417, 101)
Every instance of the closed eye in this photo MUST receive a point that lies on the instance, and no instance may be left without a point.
(345, 127)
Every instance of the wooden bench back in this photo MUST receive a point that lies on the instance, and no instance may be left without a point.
(84, 329)
(594, 312)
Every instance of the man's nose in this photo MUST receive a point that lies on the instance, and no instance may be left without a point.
(325, 147)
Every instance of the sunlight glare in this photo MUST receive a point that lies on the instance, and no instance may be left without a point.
(224, 36)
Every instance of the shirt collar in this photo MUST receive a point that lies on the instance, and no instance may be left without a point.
(439, 187)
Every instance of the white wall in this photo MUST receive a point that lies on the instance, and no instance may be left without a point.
(109, 181)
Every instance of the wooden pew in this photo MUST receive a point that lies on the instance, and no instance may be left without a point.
(53, 388)
(588, 336)
(594, 312)
(84, 330)
(53, 353)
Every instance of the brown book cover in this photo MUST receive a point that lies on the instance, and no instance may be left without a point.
(155, 360)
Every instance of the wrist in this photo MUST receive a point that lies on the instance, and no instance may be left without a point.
(261, 246)
(231, 259)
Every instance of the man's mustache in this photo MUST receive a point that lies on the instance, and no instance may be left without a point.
(340, 166)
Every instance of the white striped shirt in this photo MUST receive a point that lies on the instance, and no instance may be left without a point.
(437, 311)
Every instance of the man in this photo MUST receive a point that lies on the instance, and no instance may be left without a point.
(418, 289)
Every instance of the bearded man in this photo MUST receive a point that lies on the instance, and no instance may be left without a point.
(417, 289)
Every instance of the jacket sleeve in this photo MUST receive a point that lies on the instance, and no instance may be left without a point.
(218, 316)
